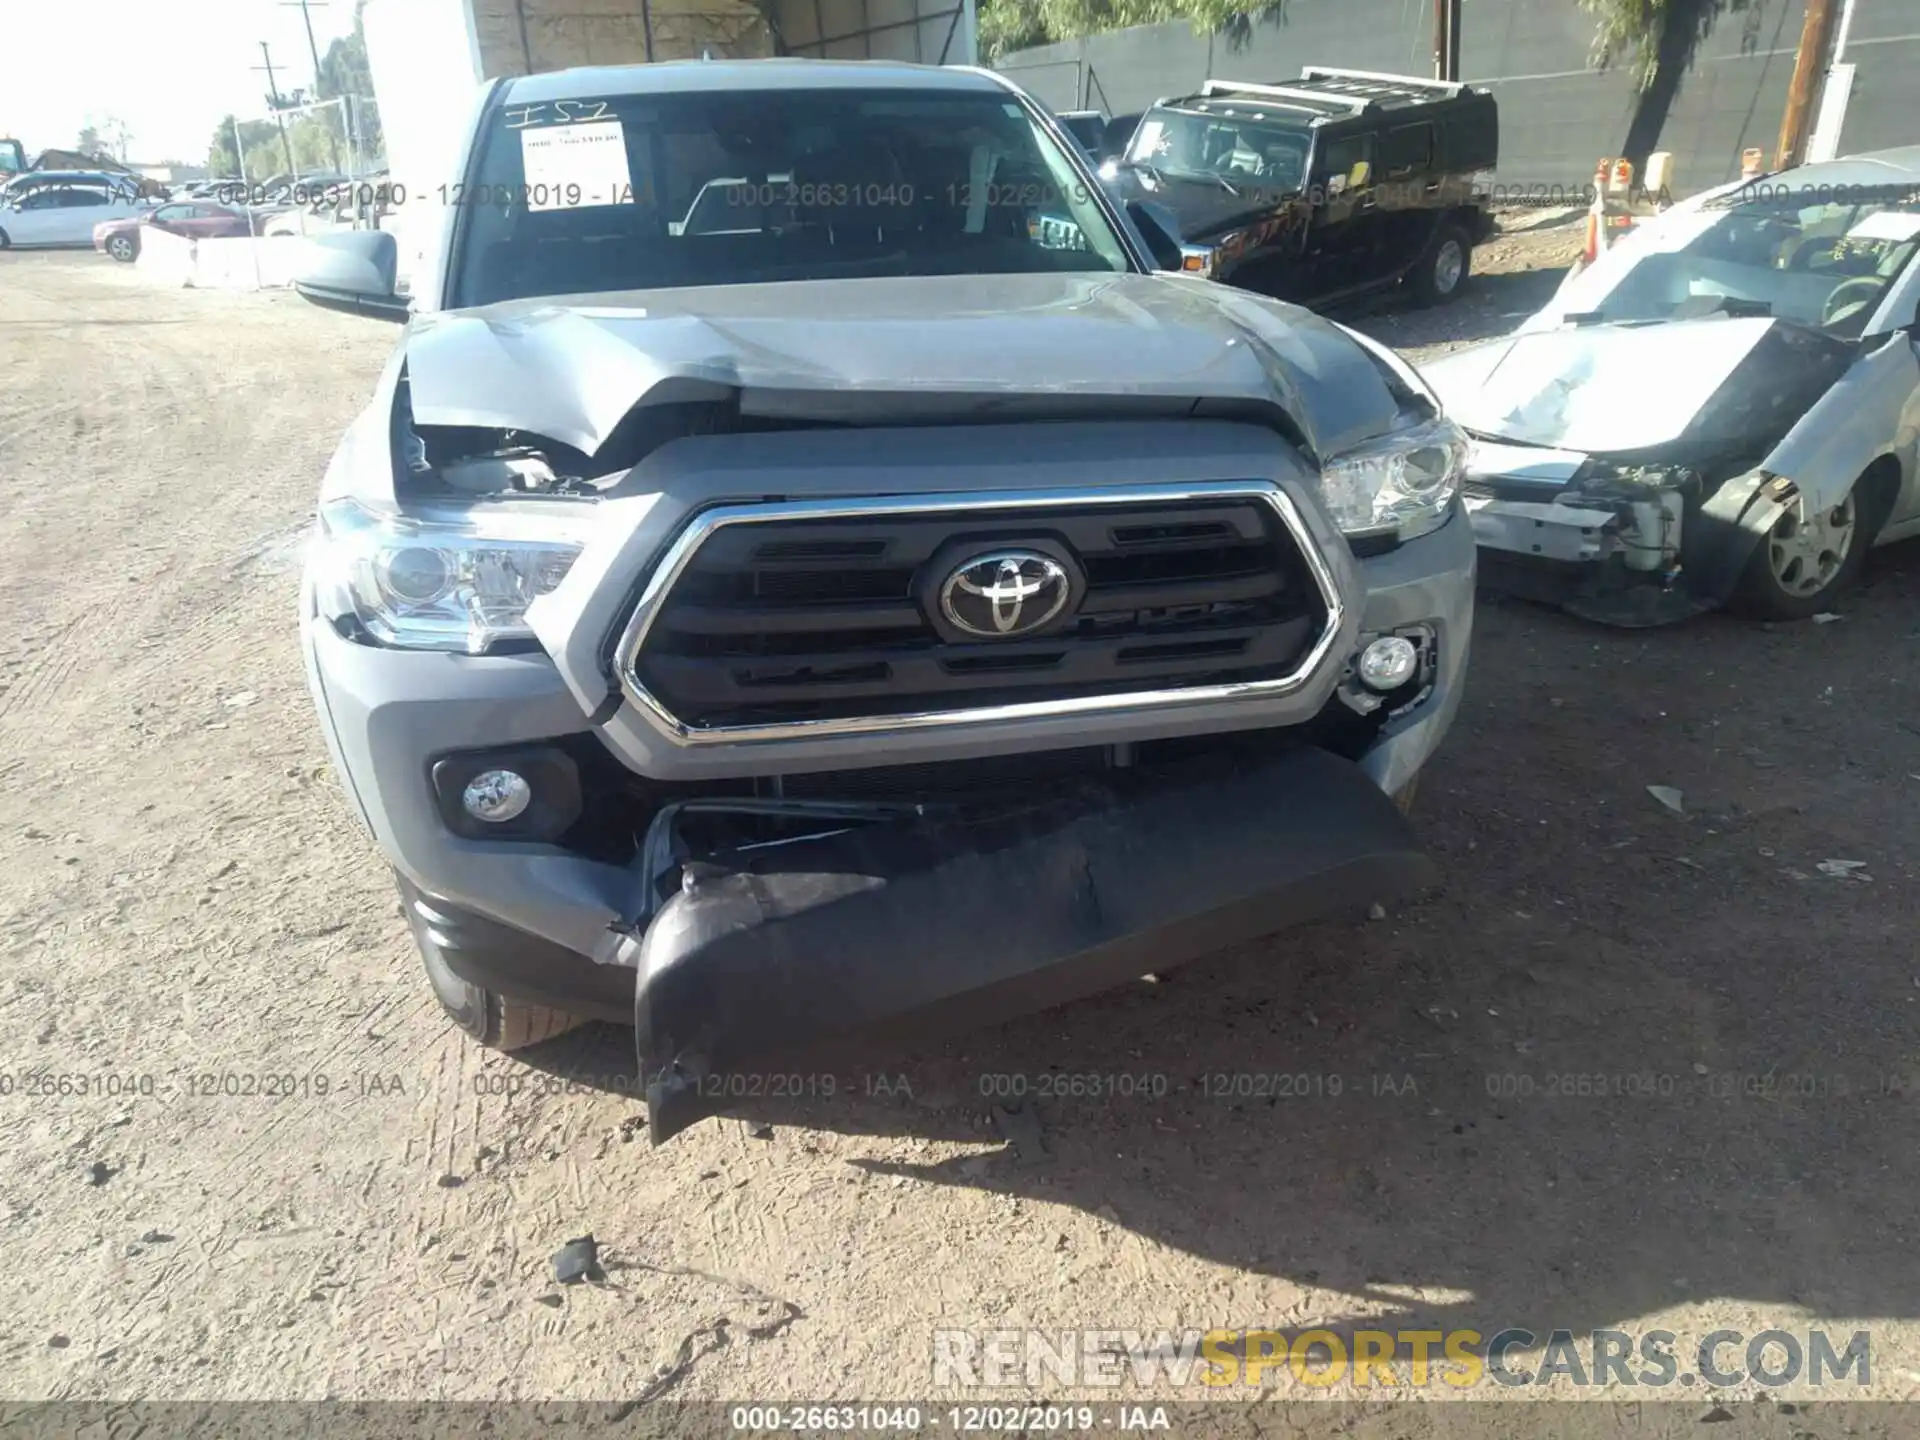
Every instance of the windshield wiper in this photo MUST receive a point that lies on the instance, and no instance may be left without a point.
(1580, 318)
(1699, 307)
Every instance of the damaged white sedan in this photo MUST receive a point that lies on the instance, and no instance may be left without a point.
(1722, 409)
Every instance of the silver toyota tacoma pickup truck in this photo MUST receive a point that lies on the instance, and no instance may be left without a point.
(879, 600)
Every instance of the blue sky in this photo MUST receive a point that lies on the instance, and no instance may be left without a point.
(169, 68)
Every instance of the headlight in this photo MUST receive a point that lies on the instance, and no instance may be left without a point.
(1403, 482)
(459, 580)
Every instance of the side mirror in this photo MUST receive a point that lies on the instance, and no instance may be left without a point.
(355, 272)
(1159, 227)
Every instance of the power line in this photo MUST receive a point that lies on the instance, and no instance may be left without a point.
(273, 88)
(313, 48)
(306, 9)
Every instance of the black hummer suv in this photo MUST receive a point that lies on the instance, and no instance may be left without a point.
(1338, 184)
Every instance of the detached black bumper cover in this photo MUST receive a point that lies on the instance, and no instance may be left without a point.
(926, 926)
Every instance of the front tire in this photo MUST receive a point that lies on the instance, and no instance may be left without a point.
(123, 248)
(495, 1020)
(1805, 561)
(1444, 268)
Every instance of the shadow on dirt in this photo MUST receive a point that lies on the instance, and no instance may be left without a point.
(1491, 306)
(1626, 1060)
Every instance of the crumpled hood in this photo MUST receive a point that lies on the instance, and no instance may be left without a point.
(1206, 209)
(1625, 388)
(571, 370)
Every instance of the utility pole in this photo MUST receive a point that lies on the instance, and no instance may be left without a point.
(313, 48)
(1809, 64)
(273, 88)
(1836, 89)
(1446, 39)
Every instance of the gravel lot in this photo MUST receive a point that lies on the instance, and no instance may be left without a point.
(185, 904)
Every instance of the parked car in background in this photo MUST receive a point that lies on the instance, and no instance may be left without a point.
(1088, 127)
(192, 219)
(1723, 407)
(335, 204)
(34, 179)
(54, 208)
(1118, 136)
(1332, 186)
(1103, 138)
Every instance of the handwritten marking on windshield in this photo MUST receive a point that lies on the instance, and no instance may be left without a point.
(555, 112)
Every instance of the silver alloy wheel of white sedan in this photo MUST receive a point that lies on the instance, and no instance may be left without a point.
(1808, 551)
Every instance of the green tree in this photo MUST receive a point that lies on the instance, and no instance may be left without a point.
(1659, 38)
(258, 137)
(344, 71)
(1012, 24)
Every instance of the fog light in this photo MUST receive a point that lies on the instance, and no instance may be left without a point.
(496, 796)
(1388, 663)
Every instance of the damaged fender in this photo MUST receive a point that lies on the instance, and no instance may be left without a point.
(1860, 419)
(1730, 525)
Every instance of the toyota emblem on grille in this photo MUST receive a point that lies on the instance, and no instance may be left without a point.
(1005, 594)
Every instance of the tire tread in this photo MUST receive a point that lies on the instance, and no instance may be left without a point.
(515, 1025)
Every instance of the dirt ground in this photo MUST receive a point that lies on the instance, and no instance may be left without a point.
(186, 904)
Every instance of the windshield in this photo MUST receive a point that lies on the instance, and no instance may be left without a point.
(734, 187)
(1232, 143)
(1825, 264)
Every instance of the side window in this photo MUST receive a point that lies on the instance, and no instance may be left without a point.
(174, 212)
(1406, 149)
(84, 198)
(42, 199)
(1341, 155)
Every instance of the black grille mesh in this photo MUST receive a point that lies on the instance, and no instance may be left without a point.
(793, 620)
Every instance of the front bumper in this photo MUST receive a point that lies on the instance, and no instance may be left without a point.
(919, 927)
(560, 927)
(388, 715)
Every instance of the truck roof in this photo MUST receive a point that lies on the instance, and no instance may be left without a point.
(785, 73)
(1324, 92)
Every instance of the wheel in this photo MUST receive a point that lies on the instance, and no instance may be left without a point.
(1805, 561)
(496, 1021)
(1444, 268)
(4, 241)
(123, 247)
